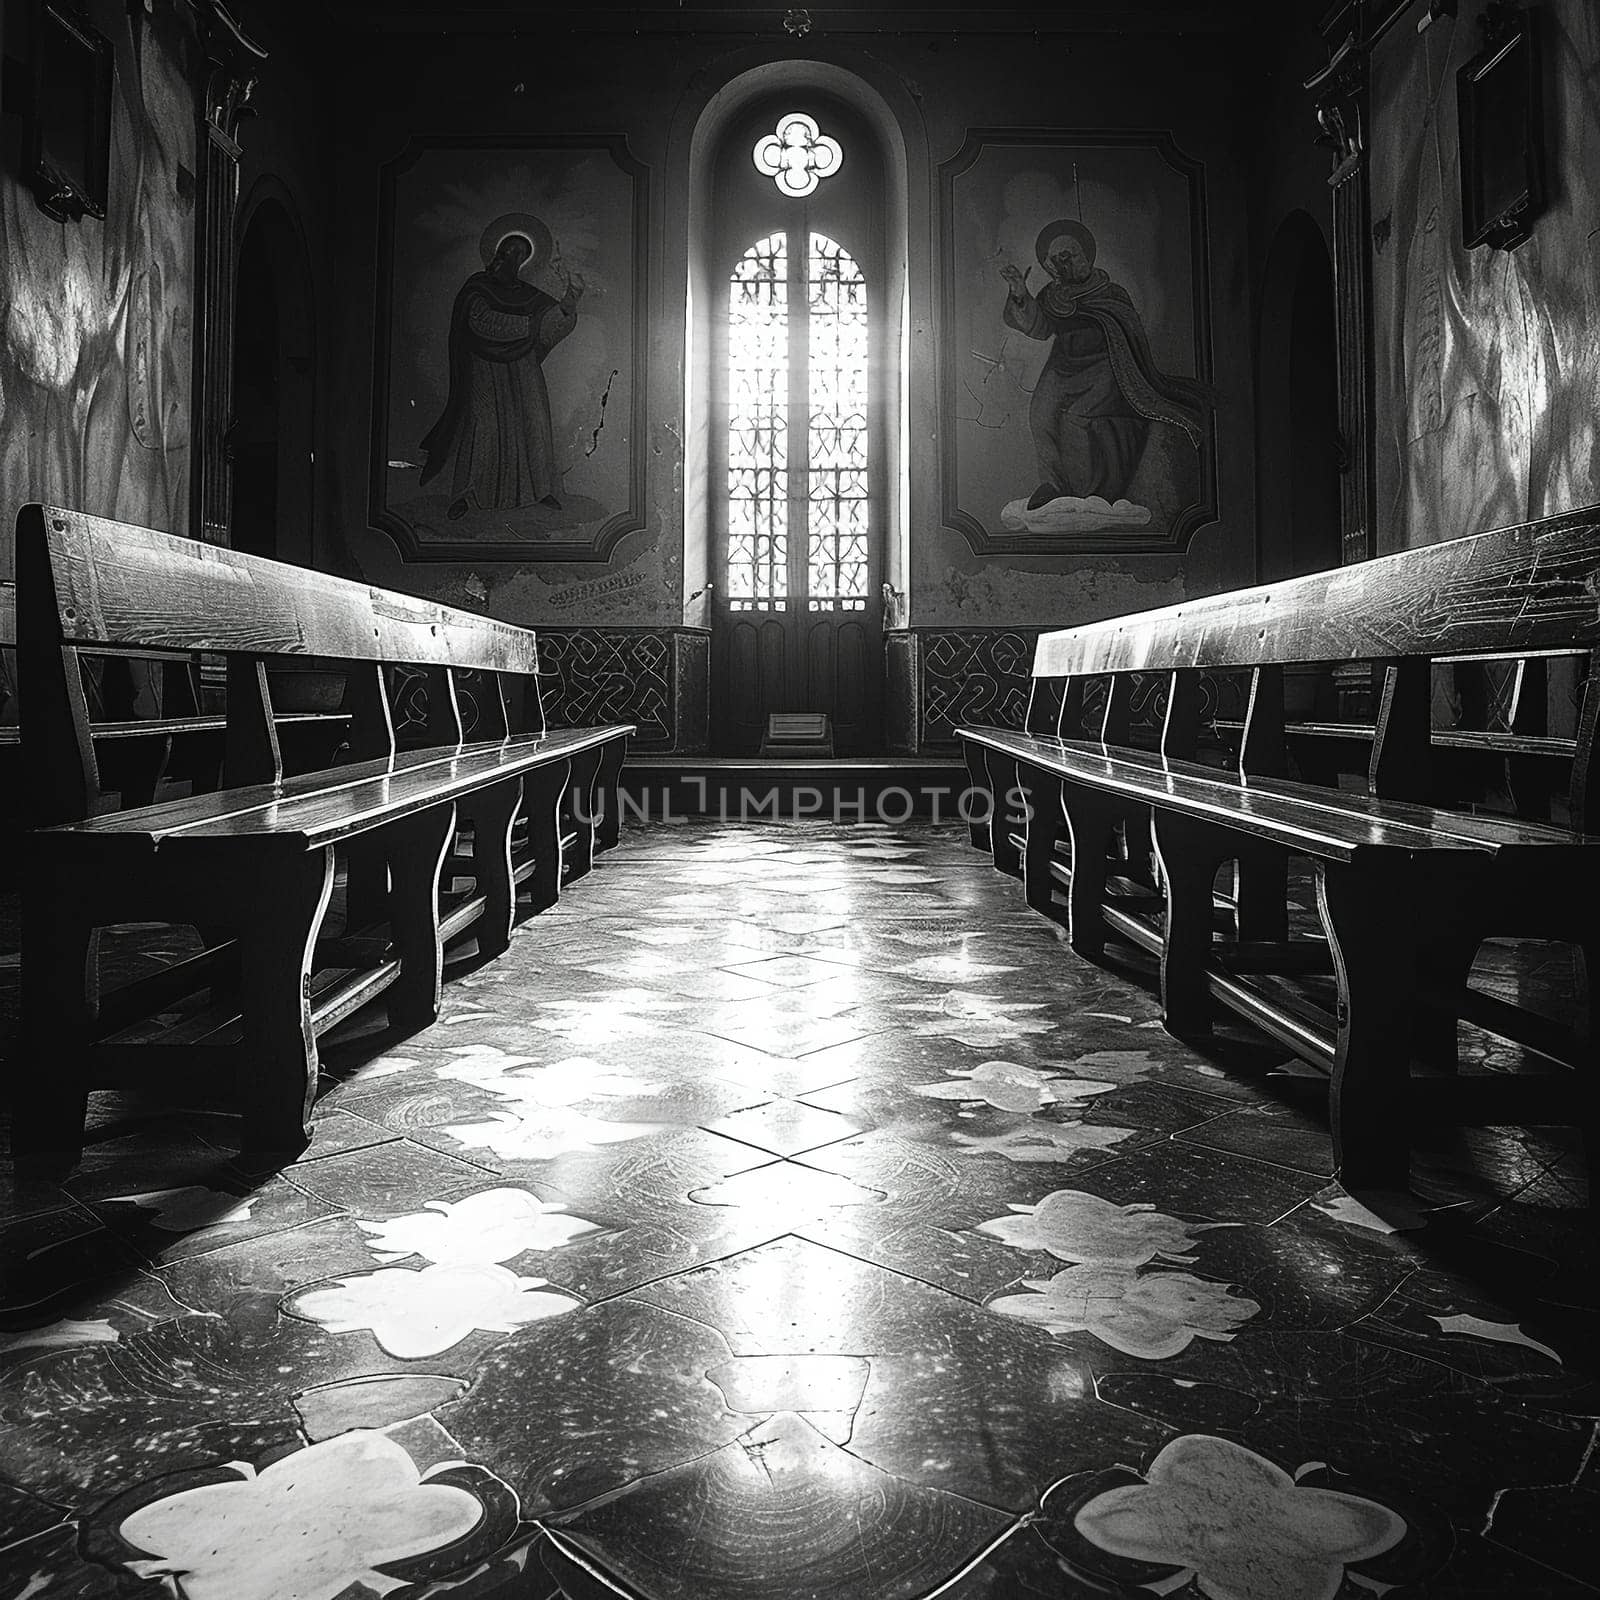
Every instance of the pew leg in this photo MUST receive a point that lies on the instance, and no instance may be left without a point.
(978, 802)
(1091, 821)
(51, 1072)
(1370, 913)
(542, 790)
(1189, 855)
(492, 813)
(1005, 786)
(579, 808)
(287, 897)
(1043, 803)
(608, 795)
(418, 848)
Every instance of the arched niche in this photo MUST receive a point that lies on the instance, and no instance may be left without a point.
(896, 125)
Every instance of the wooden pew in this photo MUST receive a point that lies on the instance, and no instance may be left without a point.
(256, 859)
(10, 734)
(1406, 890)
(137, 752)
(1496, 739)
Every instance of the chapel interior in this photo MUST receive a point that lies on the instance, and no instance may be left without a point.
(768, 1143)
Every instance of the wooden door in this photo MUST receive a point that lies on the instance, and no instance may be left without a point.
(797, 580)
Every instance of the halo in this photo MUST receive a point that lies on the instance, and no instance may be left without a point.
(527, 227)
(1054, 230)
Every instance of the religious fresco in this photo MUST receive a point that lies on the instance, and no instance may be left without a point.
(507, 412)
(95, 325)
(1485, 362)
(1075, 382)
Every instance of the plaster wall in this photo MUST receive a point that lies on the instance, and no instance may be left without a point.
(96, 314)
(653, 90)
(1288, 166)
(1488, 370)
(1291, 218)
(284, 162)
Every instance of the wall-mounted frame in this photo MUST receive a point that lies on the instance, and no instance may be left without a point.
(1501, 124)
(508, 419)
(67, 152)
(1076, 365)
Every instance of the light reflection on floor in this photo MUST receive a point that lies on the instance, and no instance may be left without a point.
(790, 1213)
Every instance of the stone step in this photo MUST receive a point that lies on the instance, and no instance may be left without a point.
(885, 789)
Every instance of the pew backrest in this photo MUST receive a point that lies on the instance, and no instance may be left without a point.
(1522, 595)
(89, 586)
(1513, 591)
(8, 661)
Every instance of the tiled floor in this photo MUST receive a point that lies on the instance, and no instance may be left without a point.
(789, 1213)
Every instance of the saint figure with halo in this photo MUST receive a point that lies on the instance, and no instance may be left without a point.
(495, 431)
(1100, 389)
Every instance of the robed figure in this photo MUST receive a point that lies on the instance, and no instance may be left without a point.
(1100, 389)
(495, 432)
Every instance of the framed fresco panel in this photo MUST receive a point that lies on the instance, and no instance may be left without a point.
(509, 388)
(69, 131)
(1500, 115)
(1076, 371)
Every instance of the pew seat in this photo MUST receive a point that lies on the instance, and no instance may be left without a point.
(440, 840)
(1112, 838)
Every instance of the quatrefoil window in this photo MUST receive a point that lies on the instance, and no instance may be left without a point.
(798, 154)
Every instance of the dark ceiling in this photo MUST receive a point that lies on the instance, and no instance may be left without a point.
(951, 17)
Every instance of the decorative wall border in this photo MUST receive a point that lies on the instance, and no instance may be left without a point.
(971, 675)
(652, 677)
(951, 677)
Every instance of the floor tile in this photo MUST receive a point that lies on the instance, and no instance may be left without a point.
(932, 1409)
(784, 1127)
(788, 971)
(1269, 1133)
(781, 1511)
(387, 1175)
(578, 1407)
(170, 1223)
(764, 1026)
(790, 1211)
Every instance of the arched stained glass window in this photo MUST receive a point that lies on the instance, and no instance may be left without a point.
(758, 426)
(801, 378)
(836, 370)
(797, 347)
